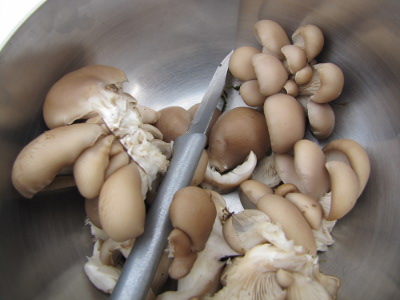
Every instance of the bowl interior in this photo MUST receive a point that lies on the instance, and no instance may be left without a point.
(169, 50)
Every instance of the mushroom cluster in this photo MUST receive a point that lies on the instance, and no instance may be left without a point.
(292, 190)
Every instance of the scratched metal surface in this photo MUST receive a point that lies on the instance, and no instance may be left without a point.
(169, 50)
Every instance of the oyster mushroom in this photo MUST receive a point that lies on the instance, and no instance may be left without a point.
(97, 90)
(236, 133)
(240, 63)
(285, 121)
(304, 75)
(250, 227)
(90, 167)
(309, 207)
(250, 191)
(356, 156)
(306, 169)
(286, 188)
(294, 225)
(270, 72)
(72, 97)
(268, 272)
(179, 247)
(174, 121)
(295, 58)
(121, 204)
(265, 171)
(193, 212)
(291, 88)
(271, 36)
(344, 188)
(310, 38)
(226, 182)
(250, 93)
(321, 118)
(325, 85)
(40, 161)
(204, 276)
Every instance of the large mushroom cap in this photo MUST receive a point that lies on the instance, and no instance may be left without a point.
(121, 205)
(39, 162)
(240, 63)
(272, 36)
(310, 38)
(69, 98)
(234, 135)
(285, 120)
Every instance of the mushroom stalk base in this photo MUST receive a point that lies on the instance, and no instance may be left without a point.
(141, 265)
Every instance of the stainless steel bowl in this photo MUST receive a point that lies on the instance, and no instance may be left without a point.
(169, 50)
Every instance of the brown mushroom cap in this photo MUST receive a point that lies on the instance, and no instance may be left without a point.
(173, 122)
(271, 73)
(39, 162)
(294, 225)
(67, 100)
(285, 120)
(193, 212)
(240, 63)
(234, 135)
(272, 36)
(121, 205)
(310, 38)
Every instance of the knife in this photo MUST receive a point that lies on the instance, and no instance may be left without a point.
(141, 264)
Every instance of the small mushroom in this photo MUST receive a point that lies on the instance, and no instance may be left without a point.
(116, 162)
(283, 212)
(179, 247)
(295, 58)
(310, 38)
(90, 167)
(306, 169)
(286, 188)
(357, 157)
(325, 85)
(240, 63)
(291, 88)
(236, 133)
(309, 207)
(270, 72)
(304, 75)
(321, 118)
(250, 93)
(71, 97)
(285, 121)
(344, 188)
(193, 211)
(121, 205)
(174, 121)
(250, 191)
(271, 36)
(40, 161)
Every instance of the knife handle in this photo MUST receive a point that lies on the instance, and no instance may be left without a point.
(141, 264)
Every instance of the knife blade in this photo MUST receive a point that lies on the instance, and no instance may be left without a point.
(141, 264)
